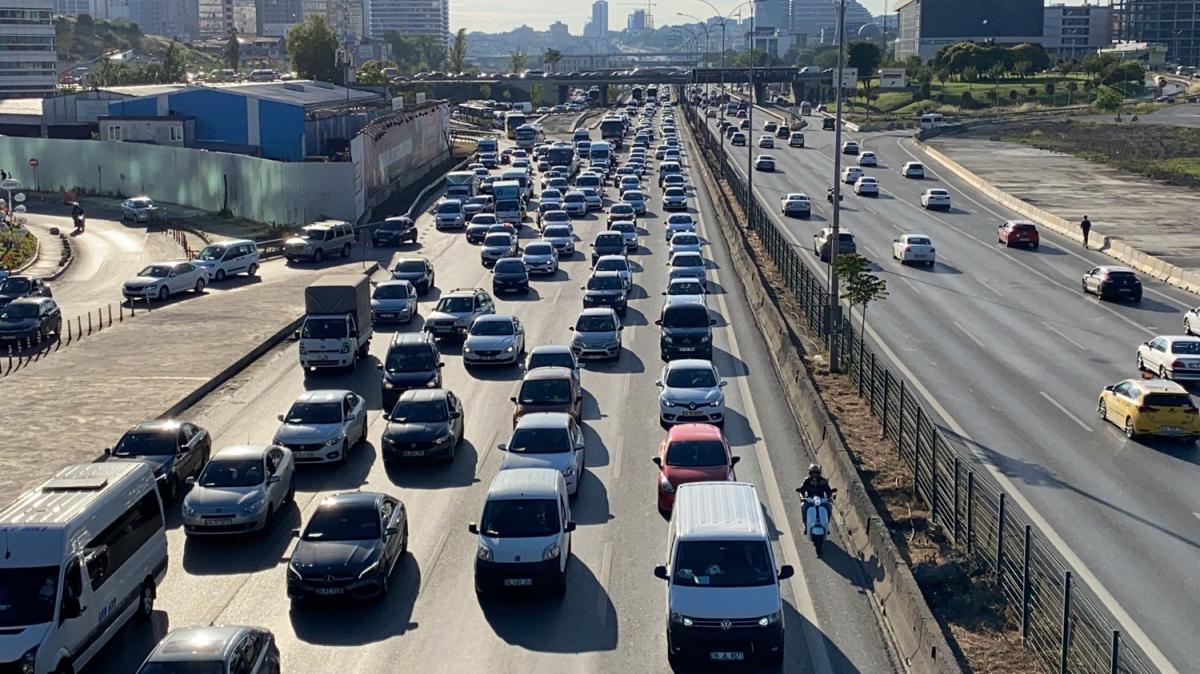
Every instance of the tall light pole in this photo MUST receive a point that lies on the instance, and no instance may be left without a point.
(724, 20)
(750, 121)
(834, 318)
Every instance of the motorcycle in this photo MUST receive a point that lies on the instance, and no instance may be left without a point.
(817, 516)
(80, 222)
(829, 195)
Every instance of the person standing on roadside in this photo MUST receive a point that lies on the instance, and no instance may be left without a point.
(1085, 226)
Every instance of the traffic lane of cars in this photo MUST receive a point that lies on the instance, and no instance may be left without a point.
(1055, 410)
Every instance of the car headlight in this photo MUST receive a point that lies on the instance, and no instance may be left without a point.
(666, 402)
(668, 339)
(345, 348)
(188, 510)
(443, 440)
(770, 619)
(29, 661)
(388, 385)
(665, 485)
(717, 403)
(253, 506)
(509, 350)
(302, 349)
(466, 349)
(552, 551)
(484, 553)
(568, 471)
(680, 619)
(371, 568)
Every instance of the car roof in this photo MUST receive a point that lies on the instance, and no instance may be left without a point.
(606, 273)
(607, 258)
(461, 292)
(29, 300)
(680, 432)
(1109, 268)
(718, 510)
(496, 318)
(1019, 222)
(554, 372)
(597, 311)
(409, 338)
(1158, 386)
(241, 452)
(396, 282)
(684, 300)
(351, 498)
(158, 425)
(422, 395)
(545, 420)
(322, 396)
(517, 483)
(690, 364)
(915, 236)
(1174, 339)
(550, 349)
(199, 644)
(412, 259)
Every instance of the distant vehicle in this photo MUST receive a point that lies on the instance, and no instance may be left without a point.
(265, 75)
(868, 159)
(913, 169)
(320, 240)
(930, 120)
(1018, 233)
(866, 185)
(821, 242)
(140, 209)
(1174, 357)
(796, 203)
(512, 121)
(764, 162)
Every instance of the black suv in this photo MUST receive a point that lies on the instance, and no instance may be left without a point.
(412, 362)
(176, 450)
(395, 231)
(686, 328)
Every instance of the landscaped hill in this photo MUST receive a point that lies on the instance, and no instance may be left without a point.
(84, 39)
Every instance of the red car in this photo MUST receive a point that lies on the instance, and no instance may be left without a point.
(1018, 233)
(691, 453)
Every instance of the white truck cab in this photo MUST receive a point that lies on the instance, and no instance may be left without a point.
(336, 331)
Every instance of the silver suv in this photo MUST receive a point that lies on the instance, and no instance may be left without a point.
(320, 240)
(456, 310)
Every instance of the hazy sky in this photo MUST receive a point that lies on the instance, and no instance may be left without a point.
(490, 16)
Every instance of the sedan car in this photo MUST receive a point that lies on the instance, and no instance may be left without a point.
(764, 162)
(605, 289)
(161, 280)
(349, 547)
(915, 248)
(1175, 357)
(575, 203)
(29, 321)
(416, 270)
(691, 452)
(913, 169)
(547, 440)
(685, 242)
(140, 209)
(621, 211)
(627, 230)
(796, 139)
(176, 450)
(562, 237)
(423, 424)
(868, 159)
(510, 275)
(674, 199)
(393, 302)
(1110, 282)
(766, 141)
(394, 231)
(215, 649)
(482, 203)
(1018, 233)
(1153, 407)
(553, 355)
(851, 174)
(495, 339)
(496, 246)
(866, 186)
(935, 198)
(548, 389)
(738, 138)
(688, 265)
(541, 257)
(635, 198)
(593, 198)
(550, 196)
(618, 264)
(691, 392)
(607, 243)
(321, 426)
(677, 223)
(597, 334)
(850, 147)
(240, 490)
(479, 227)
(797, 204)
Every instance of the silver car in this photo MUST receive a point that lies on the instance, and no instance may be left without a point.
(547, 440)
(161, 280)
(619, 264)
(691, 393)
(679, 222)
(688, 265)
(140, 209)
(592, 198)
(562, 237)
(215, 648)
(240, 490)
(541, 257)
(627, 230)
(322, 426)
(635, 198)
(497, 245)
(497, 339)
(597, 334)
(685, 242)
(393, 302)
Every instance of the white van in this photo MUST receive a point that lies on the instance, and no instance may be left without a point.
(524, 532)
(226, 258)
(83, 553)
(930, 120)
(723, 602)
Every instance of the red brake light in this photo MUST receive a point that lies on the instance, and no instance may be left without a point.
(1191, 410)
(1178, 364)
(907, 248)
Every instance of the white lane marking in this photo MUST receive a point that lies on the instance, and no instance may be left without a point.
(988, 285)
(602, 595)
(912, 285)
(433, 560)
(1062, 334)
(1065, 411)
(975, 339)
(1197, 515)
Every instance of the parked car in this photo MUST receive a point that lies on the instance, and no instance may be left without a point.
(14, 286)
(161, 280)
(176, 450)
(349, 547)
(240, 490)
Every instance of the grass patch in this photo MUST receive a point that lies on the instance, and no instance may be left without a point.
(17, 247)
(75, 41)
(967, 98)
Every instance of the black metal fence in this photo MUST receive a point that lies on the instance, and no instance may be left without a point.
(1062, 623)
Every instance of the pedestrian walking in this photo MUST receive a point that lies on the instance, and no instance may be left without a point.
(1085, 226)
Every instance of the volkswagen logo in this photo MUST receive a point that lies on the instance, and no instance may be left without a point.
(726, 625)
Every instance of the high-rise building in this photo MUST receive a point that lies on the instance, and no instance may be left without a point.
(599, 20)
(178, 19)
(1174, 23)
(637, 20)
(274, 18)
(928, 25)
(73, 7)
(1074, 31)
(811, 17)
(216, 18)
(408, 17)
(111, 9)
(28, 64)
(245, 17)
(560, 34)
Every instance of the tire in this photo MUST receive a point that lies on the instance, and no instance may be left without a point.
(818, 543)
(220, 275)
(1187, 326)
(1083, 287)
(163, 294)
(345, 457)
(146, 596)
(199, 287)
(318, 256)
(558, 588)
(171, 489)
(1102, 411)
(1162, 372)
(1033, 247)
(291, 492)
(345, 250)
(1130, 431)
(252, 270)
(404, 540)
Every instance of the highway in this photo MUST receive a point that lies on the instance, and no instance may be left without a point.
(1012, 356)
(612, 617)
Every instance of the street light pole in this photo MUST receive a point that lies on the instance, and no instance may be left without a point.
(750, 122)
(833, 321)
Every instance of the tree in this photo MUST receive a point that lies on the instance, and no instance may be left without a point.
(551, 58)
(313, 47)
(1072, 87)
(943, 75)
(824, 57)
(1013, 96)
(174, 67)
(912, 63)
(458, 51)
(371, 73)
(432, 51)
(517, 60)
(865, 56)
(1107, 100)
(967, 100)
(1023, 68)
(859, 287)
(233, 51)
(969, 74)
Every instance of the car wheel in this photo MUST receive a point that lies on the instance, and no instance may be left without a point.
(199, 287)
(1187, 325)
(404, 540)
(146, 601)
(1102, 411)
(1083, 287)
(345, 250)
(291, 492)
(1141, 364)
(171, 489)
(220, 276)
(345, 452)
(163, 294)
(1162, 372)
(1034, 247)
(318, 256)
(1130, 432)
(252, 270)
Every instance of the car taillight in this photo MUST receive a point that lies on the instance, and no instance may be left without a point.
(1178, 364)
(907, 248)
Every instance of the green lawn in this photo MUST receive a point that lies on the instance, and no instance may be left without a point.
(900, 103)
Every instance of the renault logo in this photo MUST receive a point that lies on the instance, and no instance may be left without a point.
(691, 406)
(726, 625)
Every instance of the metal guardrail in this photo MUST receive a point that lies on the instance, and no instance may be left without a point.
(1062, 623)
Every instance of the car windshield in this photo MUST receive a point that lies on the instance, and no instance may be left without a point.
(484, 219)
(314, 234)
(624, 227)
(523, 518)
(680, 219)
(574, 197)
(454, 305)
(398, 291)
(155, 271)
(314, 413)
(685, 240)
(685, 317)
(28, 595)
(419, 411)
(633, 196)
(492, 328)
(557, 232)
(1186, 348)
(510, 267)
(211, 253)
(687, 261)
(615, 264)
(19, 311)
(610, 241)
(15, 286)
(595, 324)
(410, 360)
(604, 283)
(551, 360)
(723, 564)
(394, 225)
(498, 239)
(184, 667)
(334, 523)
(221, 473)
(674, 192)
(145, 443)
(550, 194)
(685, 288)
(691, 377)
(324, 328)
(539, 441)
(535, 249)
(545, 392)
(449, 207)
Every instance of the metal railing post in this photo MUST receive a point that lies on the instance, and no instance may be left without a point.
(1000, 512)
(900, 432)
(1114, 655)
(1066, 624)
(956, 529)
(933, 474)
(970, 511)
(887, 386)
(1025, 585)
(917, 453)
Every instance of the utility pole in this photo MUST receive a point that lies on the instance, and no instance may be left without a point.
(833, 323)
(750, 121)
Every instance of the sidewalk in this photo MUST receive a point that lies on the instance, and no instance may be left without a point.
(50, 251)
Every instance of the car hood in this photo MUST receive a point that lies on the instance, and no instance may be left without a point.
(416, 431)
(595, 338)
(508, 550)
(333, 557)
(16, 644)
(604, 293)
(508, 278)
(144, 280)
(489, 342)
(409, 377)
(558, 461)
(296, 241)
(724, 602)
(17, 324)
(160, 463)
(411, 276)
(495, 250)
(691, 395)
(227, 497)
(392, 305)
(678, 475)
(558, 240)
(306, 433)
(443, 316)
(538, 259)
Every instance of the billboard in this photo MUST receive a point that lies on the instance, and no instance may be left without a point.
(981, 18)
(891, 78)
(849, 78)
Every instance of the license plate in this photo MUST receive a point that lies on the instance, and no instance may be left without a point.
(518, 582)
(387, 315)
(218, 523)
(1169, 429)
(727, 656)
(329, 590)
(306, 455)
(413, 453)
(687, 348)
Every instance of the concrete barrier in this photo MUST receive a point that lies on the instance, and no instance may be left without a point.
(916, 633)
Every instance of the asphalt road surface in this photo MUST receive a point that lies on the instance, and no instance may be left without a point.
(1013, 357)
(612, 617)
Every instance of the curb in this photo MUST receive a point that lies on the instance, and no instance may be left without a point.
(1150, 265)
(68, 258)
(903, 610)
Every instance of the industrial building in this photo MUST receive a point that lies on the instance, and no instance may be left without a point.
(1174, 23)
(28, 63)
(1074, 31)
(926, 26)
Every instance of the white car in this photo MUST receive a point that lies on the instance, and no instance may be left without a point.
(541, 257)
(935, 198)
(691, 393)
(916, 248)
(866, 185)
(679, 222)
(868, 159)
(139, 209)
(764, 162)
(550, 196)
(160, 280)
(850, 147)
(766, 141)
(240, 490)
(547, 440)
(796, 203)
(913, 169)
(674, 199)
(635, 198)
(562, 237)
(322, 426)
(851, 174)
(685, 242)
(618, 264)
(688, 265)
(1175, 357)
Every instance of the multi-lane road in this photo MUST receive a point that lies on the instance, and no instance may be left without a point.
(1012, 356)
(612, 616)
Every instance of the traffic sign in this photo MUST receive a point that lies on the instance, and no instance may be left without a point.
(33, 162)
(9, 184)
(19, 197)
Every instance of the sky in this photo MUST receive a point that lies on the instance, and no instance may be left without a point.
(494, 17)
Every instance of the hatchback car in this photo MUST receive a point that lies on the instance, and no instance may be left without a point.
(1110, 282)
(688, 265)
(627, 230)
(764, 162)
(821, 239)
(215, 649)
(240, 490)
(622, 211)
(449, 214)
(851, 174)
(691, 392)
(30, 321)
(548, 389)
(685, 286)
(797, 204)
(562, 237)
(677, 223)
(674, 199)
(140, 209)
(593, 198)
(1174, 357)
(674, 180)
(737, 138)
(796, 139)
(607, 243)
(691, 452)
(479, 227)
(176, 450)
(636, 199)
(540, 257)
(605, 289)
(850, 147)
(914, 248)
(423, 424)
(349, 547)
(868, 159)
(496, 339)
(618, 264)
(686, 242)
(553, 355)
(322, 426)
(685, 328)
(510, 275)
(866, 186)
(393, 302)
(1018, 233)
(913, 169)
(416, 270)
(547, 440)
(1153, 407)
(575, 203)
(395, 231)
(935, 198)
(597, 334)
(766, 141)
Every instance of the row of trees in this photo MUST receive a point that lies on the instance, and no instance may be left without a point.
(109, 73)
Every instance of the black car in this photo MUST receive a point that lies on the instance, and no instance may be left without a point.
(18, 286)
(412, 362)
(685, 328)
(605, 289)
(510, 275)
(417, 271)
(349, 547)
(176, 450)
(828, 124)
(29, 320)
(395, 231)
(476, 232)
(783, 132)
(423, 424)
(608, 243)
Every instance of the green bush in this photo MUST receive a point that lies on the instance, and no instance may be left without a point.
(17, 248)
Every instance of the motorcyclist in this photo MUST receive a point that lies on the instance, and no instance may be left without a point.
(77, 215)
(814, 485)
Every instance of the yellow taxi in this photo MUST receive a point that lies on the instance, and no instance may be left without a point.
(1150, 407)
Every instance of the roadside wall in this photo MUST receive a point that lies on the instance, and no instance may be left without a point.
(394, 151)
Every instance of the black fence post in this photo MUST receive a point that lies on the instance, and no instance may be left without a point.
(956, 511)
(970, 512)
(1000, 511)
(1066, 624)
(900, 432)
(1025, 585)
(887, 394)
(871, 399)
(917, 453)
(1114, 656)
(933, 474)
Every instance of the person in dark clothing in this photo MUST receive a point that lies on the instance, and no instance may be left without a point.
(1085, 226)
(814, 485)
(78, 216)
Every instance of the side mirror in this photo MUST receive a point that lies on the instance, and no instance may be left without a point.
(473, 528)
(712, 321)
(503, 446)
(189, 480)
(786, 571)
(108, 451)
(274, 479)
(391, 531)
(440, 365)
(571, 328)
(569, 527)
(660, 572)
(295, 533)
(657, 461)
(279, 417)
(296, 335)
(387, 416)
(658, 322)
(513, 398)
(1109, 387)
(658, 383)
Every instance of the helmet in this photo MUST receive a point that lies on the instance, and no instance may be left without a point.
(814, 470)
